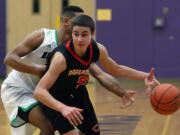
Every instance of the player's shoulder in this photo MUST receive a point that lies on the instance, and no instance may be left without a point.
(42, 31)
(101, 46)
(39, 31)
(94, 42)
(58, 58)
(38, 34)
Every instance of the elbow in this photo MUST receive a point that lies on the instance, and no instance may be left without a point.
(37, 94)
(8, 60)
(98, 75)
(40, 93)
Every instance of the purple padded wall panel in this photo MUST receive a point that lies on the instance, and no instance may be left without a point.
(2, 37)
(132, 40)
(117, 35)
(167, 41)
(143, 35)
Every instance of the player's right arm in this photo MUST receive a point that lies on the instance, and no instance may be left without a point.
(41, 93)
(31, 42)
(112, 85)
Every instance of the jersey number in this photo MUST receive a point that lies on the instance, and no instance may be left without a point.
(82, 80)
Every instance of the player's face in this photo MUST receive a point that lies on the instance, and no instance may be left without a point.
(68, 28)
(81, 38)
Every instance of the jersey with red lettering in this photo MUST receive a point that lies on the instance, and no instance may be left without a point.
(76, 74)
(70, 89)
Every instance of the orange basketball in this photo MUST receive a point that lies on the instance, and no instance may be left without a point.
(165, 99)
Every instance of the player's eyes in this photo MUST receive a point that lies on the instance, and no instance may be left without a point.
(84, 35)
(81, 34)
(76, 34)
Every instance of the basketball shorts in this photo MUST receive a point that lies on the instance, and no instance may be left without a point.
(17, 102)
(80, 100)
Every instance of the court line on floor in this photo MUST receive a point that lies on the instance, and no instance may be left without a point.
(165, 129)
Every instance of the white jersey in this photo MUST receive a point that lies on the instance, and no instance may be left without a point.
(38, 56)
(17, 89)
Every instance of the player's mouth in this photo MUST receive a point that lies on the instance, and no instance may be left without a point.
(80, 45)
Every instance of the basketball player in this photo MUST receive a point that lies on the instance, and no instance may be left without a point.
(62, 90)
(28, 60)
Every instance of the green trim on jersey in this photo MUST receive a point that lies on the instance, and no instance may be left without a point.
(56, 37)
(25, 109)
(18, 121)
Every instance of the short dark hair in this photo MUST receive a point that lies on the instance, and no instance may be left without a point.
(85, 21)
(70, 12)
(73, 9)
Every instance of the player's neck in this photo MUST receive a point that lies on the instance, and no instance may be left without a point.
(80, 52)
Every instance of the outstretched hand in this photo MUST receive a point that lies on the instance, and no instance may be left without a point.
(151, 81)
(128, 99)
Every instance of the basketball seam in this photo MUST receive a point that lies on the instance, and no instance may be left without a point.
(171, 100)
(158, 101)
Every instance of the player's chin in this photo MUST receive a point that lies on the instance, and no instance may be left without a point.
(82, 47)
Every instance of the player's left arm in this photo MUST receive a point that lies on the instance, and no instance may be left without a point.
(118, 70)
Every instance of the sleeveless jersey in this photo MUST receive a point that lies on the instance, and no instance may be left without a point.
(76, 74)
(38, 56)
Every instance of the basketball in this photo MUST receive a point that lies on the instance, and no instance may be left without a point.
(165, 99)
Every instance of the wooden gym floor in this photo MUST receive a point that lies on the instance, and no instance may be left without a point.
(139, 119)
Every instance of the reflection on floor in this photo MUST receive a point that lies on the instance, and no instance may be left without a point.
(118, 124)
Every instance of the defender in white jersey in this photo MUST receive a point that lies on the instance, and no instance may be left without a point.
(27, 60)
(17, 89)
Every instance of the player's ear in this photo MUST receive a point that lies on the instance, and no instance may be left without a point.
(66, 21)
(93, 34)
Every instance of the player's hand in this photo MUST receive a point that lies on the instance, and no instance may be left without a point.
(128, 98)
(151, 81)
(73, 115)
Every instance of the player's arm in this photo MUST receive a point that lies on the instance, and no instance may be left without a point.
(118, 70)
(58, 65)
(123, 71)
(106, 80)
(41, 92)
(14, 58)
(112, 85)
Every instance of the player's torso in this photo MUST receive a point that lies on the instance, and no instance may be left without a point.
(76, 74)
(38, 56)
